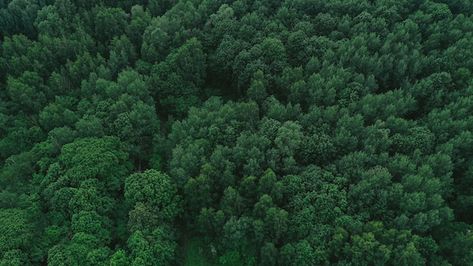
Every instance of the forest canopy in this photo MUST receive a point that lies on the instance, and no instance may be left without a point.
(248, 132)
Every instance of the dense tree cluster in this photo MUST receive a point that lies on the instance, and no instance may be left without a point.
(217, 132)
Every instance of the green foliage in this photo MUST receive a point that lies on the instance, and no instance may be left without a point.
(208, 132)
(95, 158)
(176, 80)
(196, 253)
(16, 230)
(155, 190)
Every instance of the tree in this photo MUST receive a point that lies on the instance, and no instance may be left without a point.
(140, 19)
(26, 92)
(269, 254)
(101, 158)
(17, 230)
(156, 190)
(169, 132)
(257, 90)
(109, 22)
(181, 74)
